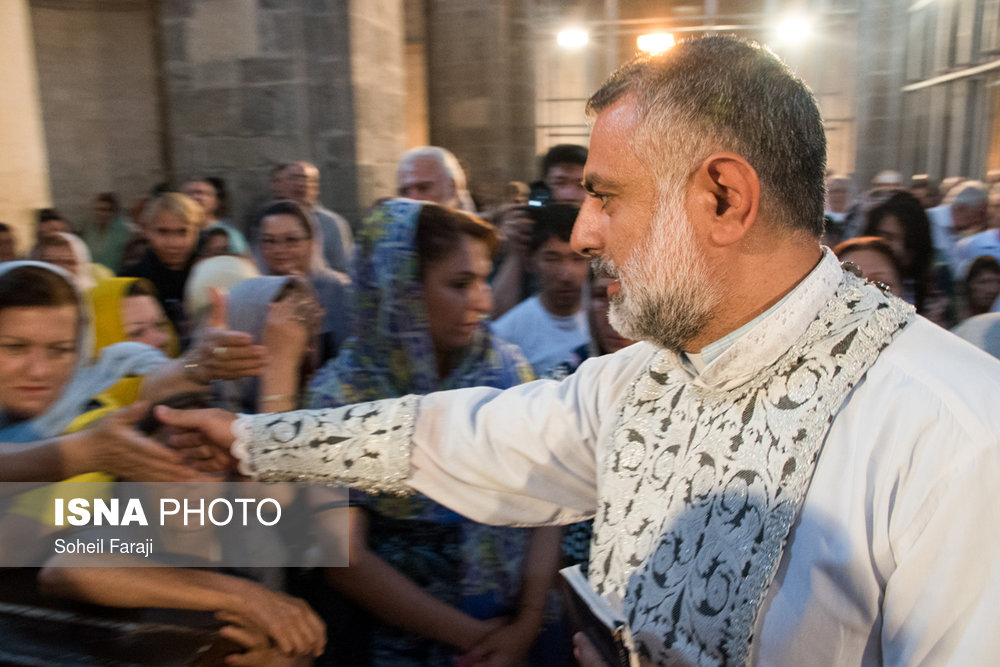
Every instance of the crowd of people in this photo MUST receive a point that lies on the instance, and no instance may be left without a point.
(290, 309)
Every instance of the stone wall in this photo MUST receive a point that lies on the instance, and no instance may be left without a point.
(96, 68)
(253, 84)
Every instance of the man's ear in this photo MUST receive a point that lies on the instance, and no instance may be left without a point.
(726, 194)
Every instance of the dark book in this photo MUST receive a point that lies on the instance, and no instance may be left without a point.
(591, 614)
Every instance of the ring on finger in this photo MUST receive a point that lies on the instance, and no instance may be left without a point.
(219, 352)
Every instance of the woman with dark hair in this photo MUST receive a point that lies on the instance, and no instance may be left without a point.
(902, 223)
(288, 245)
(876, 260)
(210, 193)
(982, 285)
(438, 584)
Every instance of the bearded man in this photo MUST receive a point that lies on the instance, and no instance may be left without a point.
(792, 469)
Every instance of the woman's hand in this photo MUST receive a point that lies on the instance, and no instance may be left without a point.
(286, 331)
(219, 353)
(114, 446)
(506, 645)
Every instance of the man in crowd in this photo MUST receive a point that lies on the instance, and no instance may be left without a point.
(108, 231)
(782, 473)
(926, 190)
(50, 221)
(561, 183)
(838, 202)
(963, 214)
(432, 173)
(300, 181)
(550, 326)
(977, 244)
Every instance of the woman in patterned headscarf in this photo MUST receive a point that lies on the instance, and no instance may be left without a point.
(438, 584)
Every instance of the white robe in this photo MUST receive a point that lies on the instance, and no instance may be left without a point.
(895, 556)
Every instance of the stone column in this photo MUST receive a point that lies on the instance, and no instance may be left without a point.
(481, 86)
(24, 178)
(880, 76)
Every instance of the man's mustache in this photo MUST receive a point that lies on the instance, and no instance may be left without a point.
(604, 268)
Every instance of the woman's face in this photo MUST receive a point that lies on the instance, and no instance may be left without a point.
(983, 291)
(876, 267)
(172, 239)
(37, 358)
(215, 245)
(890, 229)
(284, 245)
(458, 295)
(145, 322)
(608, 339)
(61, 256)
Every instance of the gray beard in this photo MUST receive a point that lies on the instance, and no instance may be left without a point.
(666, 297)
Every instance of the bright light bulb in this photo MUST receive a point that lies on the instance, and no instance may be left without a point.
(572, 38)
(794, 29)
(655, 43)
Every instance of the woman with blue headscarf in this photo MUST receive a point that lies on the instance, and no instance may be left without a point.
(440, 586)
(43, 328)
(48, 380)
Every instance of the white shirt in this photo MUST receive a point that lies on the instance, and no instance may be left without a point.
(546, 340)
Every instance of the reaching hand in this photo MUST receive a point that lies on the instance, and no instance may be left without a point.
(221, 353)
(286, 330)
(114, 446)
(200, 435)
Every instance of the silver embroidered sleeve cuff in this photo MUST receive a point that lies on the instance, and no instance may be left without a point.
(366, 445)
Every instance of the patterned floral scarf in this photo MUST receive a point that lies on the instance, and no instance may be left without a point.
(390, 352)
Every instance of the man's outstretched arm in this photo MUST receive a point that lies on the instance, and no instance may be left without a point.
(523, 456)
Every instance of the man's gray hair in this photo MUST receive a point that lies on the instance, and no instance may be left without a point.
(968, 193)
(449, 166)
(725, 94)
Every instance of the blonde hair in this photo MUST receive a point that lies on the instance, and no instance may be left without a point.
(177, 204)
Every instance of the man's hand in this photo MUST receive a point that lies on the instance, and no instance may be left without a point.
(585, 653)
(203, 436)
(516, 225)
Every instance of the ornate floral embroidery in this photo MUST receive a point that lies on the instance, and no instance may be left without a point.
(703, 481)
(366, 445)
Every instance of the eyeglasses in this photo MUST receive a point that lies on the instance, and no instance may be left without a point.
(288, 241)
